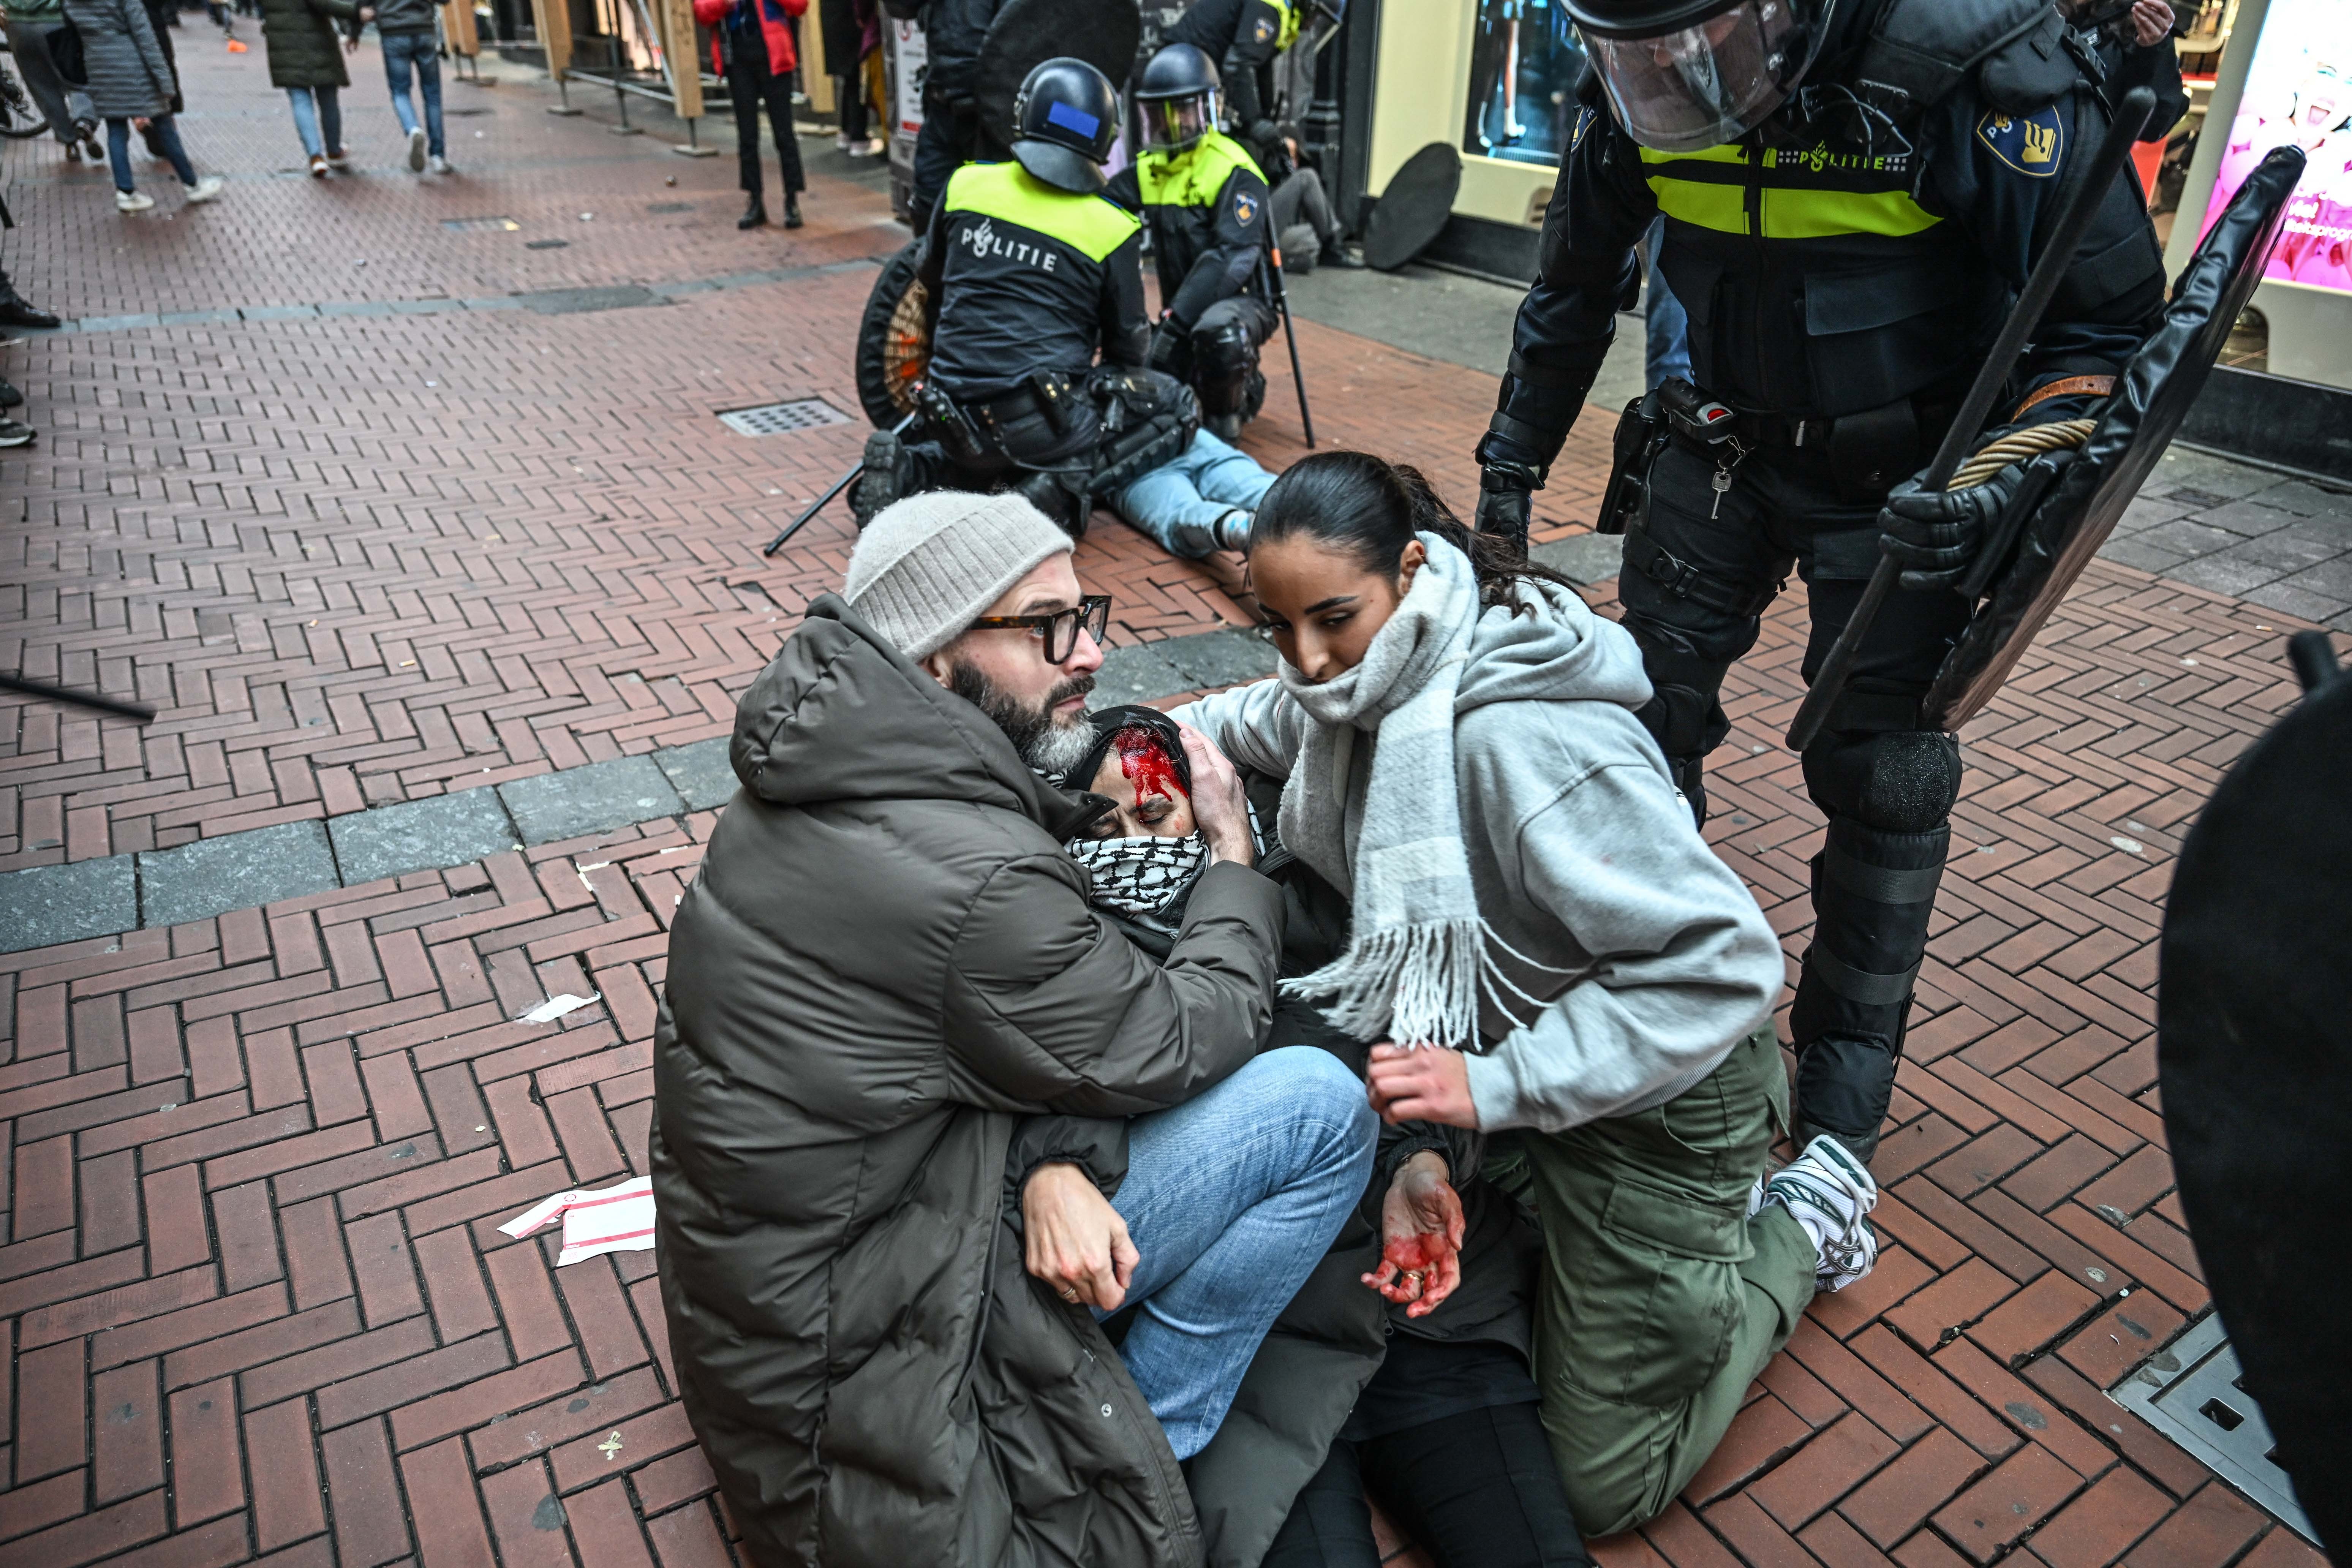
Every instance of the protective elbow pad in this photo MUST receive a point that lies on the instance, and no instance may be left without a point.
(1902, 781)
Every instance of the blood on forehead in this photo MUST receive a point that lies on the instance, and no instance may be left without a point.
(1143, 758)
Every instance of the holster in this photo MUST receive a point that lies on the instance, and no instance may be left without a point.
(957, 432)
(1641, 437)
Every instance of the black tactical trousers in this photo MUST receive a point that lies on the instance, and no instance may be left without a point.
(1697, 577)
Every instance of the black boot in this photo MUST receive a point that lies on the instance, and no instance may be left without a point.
(791, 209)
(9, 396)
(16, 311)
(889, 475)
(754, 215)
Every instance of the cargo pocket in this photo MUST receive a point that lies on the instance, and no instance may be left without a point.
(1651, 1303)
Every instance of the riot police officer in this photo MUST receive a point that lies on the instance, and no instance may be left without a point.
(1028, 271)
(1241, 39)
(1851, 190)
(953, 31)
(1206, 201)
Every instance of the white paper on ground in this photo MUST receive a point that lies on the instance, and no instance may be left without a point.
(555, 1007)
(605, 1219)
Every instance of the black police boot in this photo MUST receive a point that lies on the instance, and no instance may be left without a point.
(793, 209)
(1050, 495)
(16, 311)
(1337, 255)
(754, 215)
(9, 396)
(889, 476)
(1224, 426)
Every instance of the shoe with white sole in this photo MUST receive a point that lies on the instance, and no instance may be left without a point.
(133, 201)
(1828, 1192)
(438, 164)
(207, 189)
(13, 433)
(417, 150)
(318, 168)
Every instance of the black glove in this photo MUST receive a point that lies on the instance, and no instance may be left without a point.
(1505, 503)
(1935, 535)
(1167, 346)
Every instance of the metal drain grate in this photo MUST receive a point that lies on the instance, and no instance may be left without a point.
(777, 418)
(545, 244)
(2190, 1393)
(469, 225)
(663, 209)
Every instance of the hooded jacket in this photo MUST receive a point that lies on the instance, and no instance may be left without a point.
(883, 979)
(1654, 959)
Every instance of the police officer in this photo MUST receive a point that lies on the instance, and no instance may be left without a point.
(953, 31)
(1206, 201)
(1241, 39)
(1852, 190)
(1029, 271)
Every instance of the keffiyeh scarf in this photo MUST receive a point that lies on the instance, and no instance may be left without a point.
(1140, 877)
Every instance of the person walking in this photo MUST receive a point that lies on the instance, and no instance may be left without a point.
(848, 24)
(130, 77)
(29, 25)
(751, 47)
(412, 47)
(305, 60)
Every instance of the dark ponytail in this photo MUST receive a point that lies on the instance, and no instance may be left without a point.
(1370, 509)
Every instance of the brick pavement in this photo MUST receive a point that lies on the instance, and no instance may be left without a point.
(256, 1305)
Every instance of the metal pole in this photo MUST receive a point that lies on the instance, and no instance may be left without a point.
(47, 694)
(839, 486)
(1290, 337)
(2057, 259)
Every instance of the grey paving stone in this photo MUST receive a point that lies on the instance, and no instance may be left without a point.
(1225, 658)
(427, 834)
(118, 324)
(1135, 675)
(578, 302)
(2284, 597)
(597, 799)
(277, 313)
(235, 871)
(2186, 466)
(2136, 552)
(356, 308)
(50, 904)
(2306, 499)
(2186, 537)
(2247, 518)
(701, 774)
(2285, 550)
(1585, 558)
(2329, 579)
(2146, 510)
(2221, 575)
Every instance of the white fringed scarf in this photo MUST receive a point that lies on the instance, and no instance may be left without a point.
(1417, 953)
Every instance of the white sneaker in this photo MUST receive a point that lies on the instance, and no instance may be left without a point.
(205, 189)
(1828, 1191)
(873, 147)
(438, 164)
(133, 201)
(417, 150)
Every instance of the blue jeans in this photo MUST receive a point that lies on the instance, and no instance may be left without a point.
(1232, 1198)
(310, 119)
(1667, 350)
(167, 136)
(402, 50)
(1179, 502)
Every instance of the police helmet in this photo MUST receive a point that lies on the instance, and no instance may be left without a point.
(1683, 74)
(1063, 123)
(1178, 96)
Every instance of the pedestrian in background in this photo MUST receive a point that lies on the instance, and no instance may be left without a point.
(28, 24)
(305, 60)
(751, 47)
(848, 24)
(406, 29)
(130, 77)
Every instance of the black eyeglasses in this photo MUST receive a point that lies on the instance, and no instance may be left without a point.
(1059, 629)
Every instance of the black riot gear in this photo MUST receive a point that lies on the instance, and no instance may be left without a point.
(1845, 243)
(1177, 95)
(1243, 36)
(1063, 123)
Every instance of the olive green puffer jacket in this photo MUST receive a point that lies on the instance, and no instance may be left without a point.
(882, 982)
(305, 48)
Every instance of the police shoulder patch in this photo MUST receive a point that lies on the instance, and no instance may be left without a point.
(1244, 208)
(1583, 123)
(1265, 29)
(2031, 144)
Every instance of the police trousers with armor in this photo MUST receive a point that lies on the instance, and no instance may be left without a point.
(1223, 348)
(1060, 440)
(949, 139)
(1701, 565)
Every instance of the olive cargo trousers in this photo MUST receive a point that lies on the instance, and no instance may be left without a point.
(1659, 1301)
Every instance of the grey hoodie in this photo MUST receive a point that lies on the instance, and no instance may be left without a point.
(1584, 857)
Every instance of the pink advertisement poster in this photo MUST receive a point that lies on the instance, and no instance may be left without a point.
(2299, 90)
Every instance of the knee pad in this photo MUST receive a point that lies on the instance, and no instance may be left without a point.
(1900, 781)
(1224, 362)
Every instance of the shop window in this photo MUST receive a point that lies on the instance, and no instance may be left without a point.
(1524, 62)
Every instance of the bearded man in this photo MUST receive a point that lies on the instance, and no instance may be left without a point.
(923, 1118)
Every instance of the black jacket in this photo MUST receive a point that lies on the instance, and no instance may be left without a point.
(1878, 273)
(887, 1000)
(952, 33)
(1206, 206)
(1243, 36)
(1021, 278)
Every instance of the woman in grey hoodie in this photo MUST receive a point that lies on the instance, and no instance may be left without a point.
(1528, 896)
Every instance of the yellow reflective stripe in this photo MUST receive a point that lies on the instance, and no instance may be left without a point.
(1088, 225)
(1730, 152)
(1290, 33)
(1705, 206)
(1194, 178)
(1819, 215)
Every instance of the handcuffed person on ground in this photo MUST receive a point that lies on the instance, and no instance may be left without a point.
(1463, 760)
(896, 1061)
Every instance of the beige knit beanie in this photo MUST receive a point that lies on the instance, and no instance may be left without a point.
(927, 566)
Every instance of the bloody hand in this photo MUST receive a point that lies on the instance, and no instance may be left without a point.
(1421, 1238)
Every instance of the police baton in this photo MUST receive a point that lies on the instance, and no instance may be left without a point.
(839, 485)
(1290, 336)
(2057, 257)
(138, 711)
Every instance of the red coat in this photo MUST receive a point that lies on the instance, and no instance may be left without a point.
(712, 14)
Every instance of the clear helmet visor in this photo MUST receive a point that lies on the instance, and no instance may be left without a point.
(1172, 124)
(1708, 84)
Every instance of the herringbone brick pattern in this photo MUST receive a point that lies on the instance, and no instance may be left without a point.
(255, 1301)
